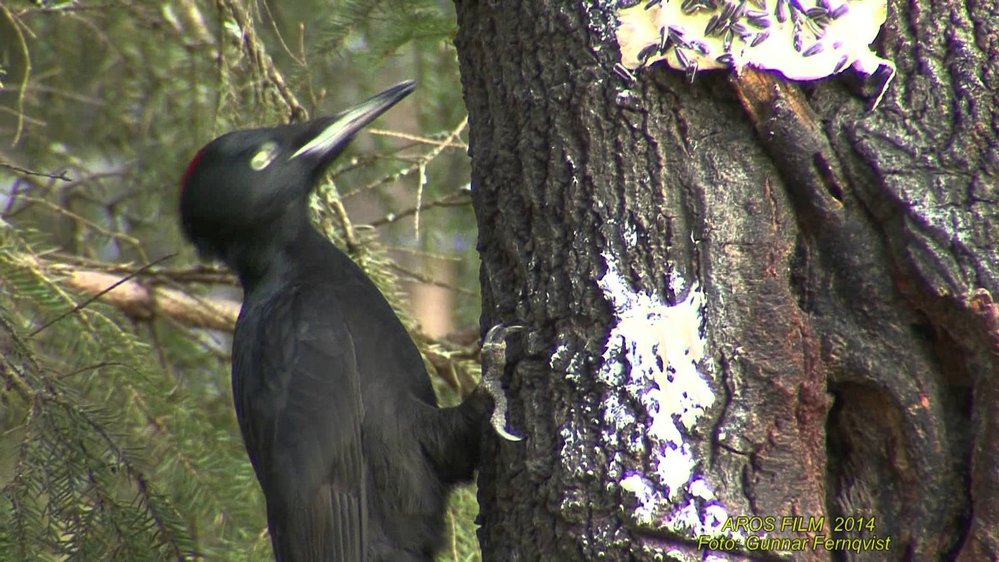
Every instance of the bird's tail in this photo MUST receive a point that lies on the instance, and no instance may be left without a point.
(330, 527)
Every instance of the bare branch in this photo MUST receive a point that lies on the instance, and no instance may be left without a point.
(98, 295)
(455, 199)
(137, 300)
(26, 172)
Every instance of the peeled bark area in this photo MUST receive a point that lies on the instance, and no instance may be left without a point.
(846, 259)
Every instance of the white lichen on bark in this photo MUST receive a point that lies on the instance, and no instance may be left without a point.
(653, 358)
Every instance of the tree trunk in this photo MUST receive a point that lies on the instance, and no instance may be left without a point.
(750, 305)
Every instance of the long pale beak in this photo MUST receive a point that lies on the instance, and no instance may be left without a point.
(334, 132)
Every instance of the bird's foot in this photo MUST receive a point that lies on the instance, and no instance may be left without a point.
(493, 362)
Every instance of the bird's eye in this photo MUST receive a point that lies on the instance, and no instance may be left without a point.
(264, 156)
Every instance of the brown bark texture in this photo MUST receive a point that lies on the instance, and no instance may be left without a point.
(837, 264)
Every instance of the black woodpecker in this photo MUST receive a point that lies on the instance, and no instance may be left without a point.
(336, 410)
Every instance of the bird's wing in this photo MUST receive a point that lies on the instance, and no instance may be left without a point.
(299, 407)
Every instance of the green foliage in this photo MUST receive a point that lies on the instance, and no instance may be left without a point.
(379, 29)
(89, 407)
(117, 435)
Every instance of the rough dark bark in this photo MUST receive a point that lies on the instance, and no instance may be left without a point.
(847, 261)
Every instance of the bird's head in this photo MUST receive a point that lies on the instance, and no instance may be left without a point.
(242, 184)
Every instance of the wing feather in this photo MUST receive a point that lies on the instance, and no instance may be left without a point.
(299, 408)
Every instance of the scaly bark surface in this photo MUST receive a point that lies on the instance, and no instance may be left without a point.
(846, 260)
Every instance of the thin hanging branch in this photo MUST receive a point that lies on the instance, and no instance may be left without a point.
(26, 172)
(98, 295)
(257, 54)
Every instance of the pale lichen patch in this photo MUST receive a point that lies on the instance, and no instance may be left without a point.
(653, 357)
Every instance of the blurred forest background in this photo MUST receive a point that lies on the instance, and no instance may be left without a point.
(117, 435)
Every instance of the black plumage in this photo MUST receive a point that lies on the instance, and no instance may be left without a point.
(336, 409)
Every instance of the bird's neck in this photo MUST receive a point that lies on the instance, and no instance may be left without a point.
(281, 252)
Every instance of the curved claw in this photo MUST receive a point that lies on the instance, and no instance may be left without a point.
(502, 432)
(496, 336)
(493, 360)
